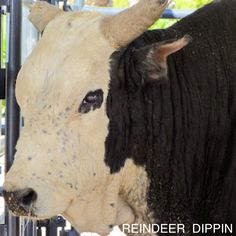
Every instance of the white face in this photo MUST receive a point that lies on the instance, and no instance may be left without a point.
(60, 152)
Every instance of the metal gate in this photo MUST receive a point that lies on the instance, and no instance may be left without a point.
(14, 226)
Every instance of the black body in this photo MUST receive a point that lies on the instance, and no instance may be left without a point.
(183, 129)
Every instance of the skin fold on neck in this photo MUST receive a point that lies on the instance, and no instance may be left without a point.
(121, 200)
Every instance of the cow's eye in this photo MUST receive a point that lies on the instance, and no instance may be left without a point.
(91, 101)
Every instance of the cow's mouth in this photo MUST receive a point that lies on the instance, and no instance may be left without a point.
(21, 211)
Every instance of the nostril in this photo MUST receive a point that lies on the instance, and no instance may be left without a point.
(28, 197)
(20, 201)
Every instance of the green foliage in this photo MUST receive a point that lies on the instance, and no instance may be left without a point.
(190, 4)
(3, 41)
(120, 3)
(178, 4)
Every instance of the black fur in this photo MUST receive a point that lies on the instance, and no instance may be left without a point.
(182, 129)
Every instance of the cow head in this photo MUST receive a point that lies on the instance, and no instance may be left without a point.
(61, 89)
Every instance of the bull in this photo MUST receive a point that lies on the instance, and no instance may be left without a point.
(124, 125)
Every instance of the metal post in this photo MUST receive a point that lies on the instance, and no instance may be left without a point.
(12, 109)
(28, 228)
(51, 229)
(2, 70)
(54, 2)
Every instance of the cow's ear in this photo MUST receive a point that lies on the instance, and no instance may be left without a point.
(154, 57)
(42, 13)
(162, 50)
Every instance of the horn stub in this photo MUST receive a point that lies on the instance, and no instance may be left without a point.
(131, 23)
(42, 13)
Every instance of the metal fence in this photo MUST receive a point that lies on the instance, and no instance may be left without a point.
(13, 226)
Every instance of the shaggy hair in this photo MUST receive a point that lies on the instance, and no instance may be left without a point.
(182, 129)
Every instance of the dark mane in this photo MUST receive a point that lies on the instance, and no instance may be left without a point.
(182, 130)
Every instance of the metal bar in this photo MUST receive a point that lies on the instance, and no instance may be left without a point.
(12, 109)
(39, 231)
(51, 228)
(176, 14)
(2, 71)
(79, 3)
(29, 228)
(3, 129)
(168, 13)
(54, 2)
(2, 230)
(69, 233)
(4, 2)
(2, 83)
(1, 193)
(0, 36)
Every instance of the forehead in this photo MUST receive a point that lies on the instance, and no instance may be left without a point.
(70, 59)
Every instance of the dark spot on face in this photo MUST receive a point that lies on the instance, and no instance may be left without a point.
(67, 109)
(61, 176)
(65, 164)
(112, 204)
(49, 173)
(69, 184)
(94, 174)
(111, 226)
(29, 158)
(93, 100)
(34, 174)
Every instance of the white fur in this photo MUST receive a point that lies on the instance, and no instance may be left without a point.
(60, 153)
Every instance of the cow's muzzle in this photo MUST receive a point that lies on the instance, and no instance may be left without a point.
(20, 201)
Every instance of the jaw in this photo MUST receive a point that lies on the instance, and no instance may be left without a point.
(100, 210)
(121, 200)
(97, 220)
